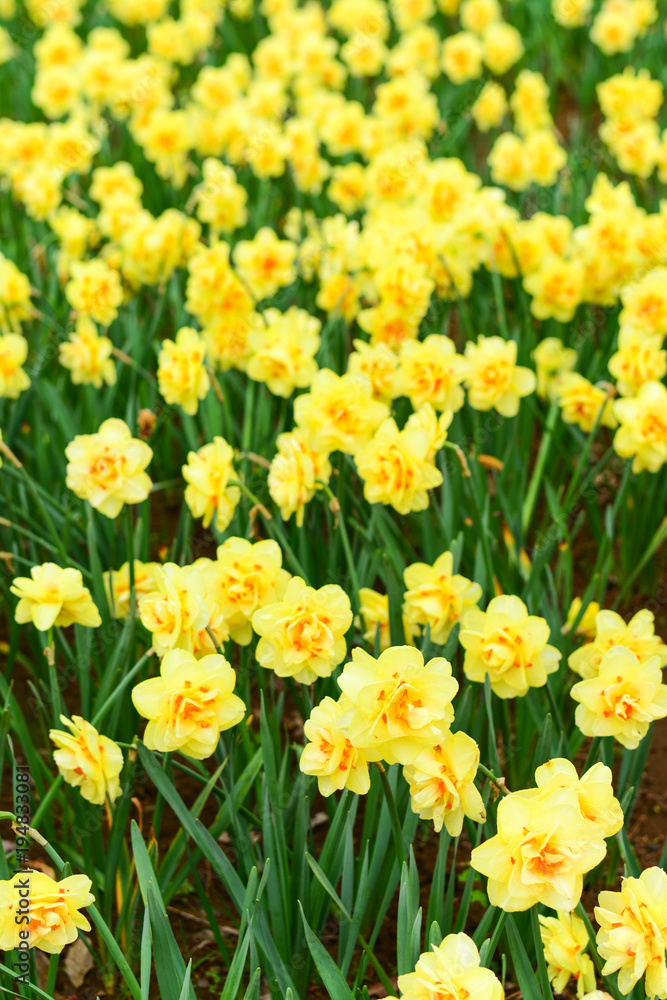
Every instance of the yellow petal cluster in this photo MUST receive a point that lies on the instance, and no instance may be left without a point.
(442, 787)
(52, 596)
(398, 705)
(453, 970)
(303, 634)
(181, 373)
(330, 755)
(209, 493)
(438, 597)
(623, 699)
(610, 629)
(565, 940)
(54, 916)
(189, 704)
(633, 932)
(107, 468)
(87, 760)
(509, 645)
(548, 838)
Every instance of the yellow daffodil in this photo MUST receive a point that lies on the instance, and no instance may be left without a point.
(303, 635)
(442, 785)
(298, 470)
(638, 635)
(189, 704)
(494, 380)
(451, 969)
(339, 412)
(209, 494)
(438, 597)
(95, 290)
(594, 791)
(181, 374)
(509, 645)
(107, 468)
(87, 760)
(398, 704)
(52, 596)
(565, 940)
(176, 611)
(623, 699)
(633, 932)
(329, 754)
(642, 434)
(397, 467)
(53, 915)
(543, 848)
(88, 356)
(243, 578)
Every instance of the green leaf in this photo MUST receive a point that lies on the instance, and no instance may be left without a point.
(142, 861)
(185, 989)
(523, 969)
(146, 957)
(542, 971)
(329, 889)
(278, 966)
(437, 892)
(252, 993)
(632, 866)
(435, 935)
(333, 980)
(169, 963)
(235, 973)
(543, 748)
(357, 915)
(409, 916)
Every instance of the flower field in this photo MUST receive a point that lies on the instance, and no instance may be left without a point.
(333, 453)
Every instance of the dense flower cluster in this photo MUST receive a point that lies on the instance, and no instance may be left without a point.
(257, 237)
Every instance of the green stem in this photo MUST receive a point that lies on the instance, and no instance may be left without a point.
(556, 711)
(495, 938)
(500, 304)
(376, 965)
(566, 504)
(53, 973)
(538, 471)
(274, 529)
(592, 754)
(542, 972)
(46, 801)
(53, 676)
(354, 579)
(118, 690)
(396, 829)
(57, 540)
(216, 644)
(130, 558)
(498, 782)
